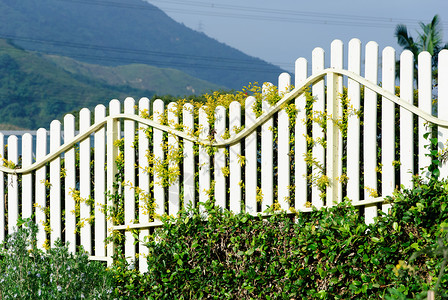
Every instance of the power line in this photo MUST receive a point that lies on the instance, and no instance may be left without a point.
(216, 62)
(278, 15)
(282, 12)
(123, 50)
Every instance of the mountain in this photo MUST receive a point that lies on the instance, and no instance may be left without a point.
(123, 32)
(164, 81)
(34, 91)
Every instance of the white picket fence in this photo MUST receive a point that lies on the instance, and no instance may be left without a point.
(272, 163)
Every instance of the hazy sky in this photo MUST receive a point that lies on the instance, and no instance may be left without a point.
(281, 31)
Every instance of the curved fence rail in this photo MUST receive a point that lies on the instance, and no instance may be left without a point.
(349, 137)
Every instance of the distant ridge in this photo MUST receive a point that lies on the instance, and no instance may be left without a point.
(163, 81)
(120, 32)
(34, 91)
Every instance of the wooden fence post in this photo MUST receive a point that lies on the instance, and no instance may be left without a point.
(318, 91)
(41, 218)
(332, 138)
(283, 157)
(337, 61)
(85, 181)
(70, 184)
(100, 180)
(370, 131)
(13, 188)
(113, 134)
(143, 179)
(267, 153)
(235, 151)
(55, 187)
(129, 178)
(301, 147)
(425, 104)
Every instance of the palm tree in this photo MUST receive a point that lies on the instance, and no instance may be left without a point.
(429, 39)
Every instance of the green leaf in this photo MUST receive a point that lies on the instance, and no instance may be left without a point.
(436, 173)
(356, 282)
(375, 239)
(420, 206)
(415, 246)
(444, 225)
(322, 294)
(322, 273)
(436, 162)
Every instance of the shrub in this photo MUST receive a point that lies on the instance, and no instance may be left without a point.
(328, 253)
(28, 273)
(209, 253)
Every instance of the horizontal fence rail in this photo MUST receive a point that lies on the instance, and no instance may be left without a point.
(335, 135)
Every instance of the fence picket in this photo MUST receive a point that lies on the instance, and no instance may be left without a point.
(267, 154)
(442, 104)
(337, 61)
(113, 134)
(27, 180)
(129, 176)
(234, 158)
(300, 170)
(159, 156)
(13, 187)
(425, 104)
(55, 184)
(100, 182)
(387, 124)
(283, 156)
(370, 131)
(189, 164)
(318, 92)
(173, 146)
(70, 184)
(84, 182)
(250, 148)
(220, 159)
(406, 119)
(41, 173)
(204, 158)
(143, 182)
(353, 126)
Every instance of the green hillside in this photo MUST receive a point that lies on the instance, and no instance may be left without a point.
(123, 32)
(34, 91)
(161, 80)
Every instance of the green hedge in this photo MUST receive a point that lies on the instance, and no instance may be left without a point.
(329, 253)
(214, 254)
